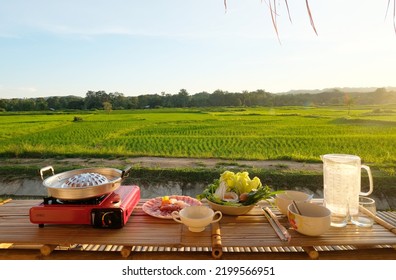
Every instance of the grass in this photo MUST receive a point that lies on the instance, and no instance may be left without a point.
(228, 134)
(291, 133)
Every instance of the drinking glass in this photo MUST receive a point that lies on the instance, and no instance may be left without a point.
(361, 219)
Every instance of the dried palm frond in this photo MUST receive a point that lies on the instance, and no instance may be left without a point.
(310, 17)
(273, 18)
(274, 14)
(288, 11)
(394, 13)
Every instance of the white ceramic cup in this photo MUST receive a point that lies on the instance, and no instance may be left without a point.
(284, 199)
(361, 219)
(196, 218)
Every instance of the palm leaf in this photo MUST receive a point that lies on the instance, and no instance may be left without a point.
(310, 17)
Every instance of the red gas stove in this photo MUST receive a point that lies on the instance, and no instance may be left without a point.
(107, 211)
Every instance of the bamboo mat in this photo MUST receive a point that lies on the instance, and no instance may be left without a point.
(249, 233)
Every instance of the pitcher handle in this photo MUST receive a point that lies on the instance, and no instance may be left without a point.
(370, 180)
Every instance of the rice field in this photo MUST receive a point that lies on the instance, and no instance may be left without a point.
(292, 133)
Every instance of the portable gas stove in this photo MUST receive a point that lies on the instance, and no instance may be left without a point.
(107, 211)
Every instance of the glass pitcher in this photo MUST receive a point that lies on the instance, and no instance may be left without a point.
(342, 186)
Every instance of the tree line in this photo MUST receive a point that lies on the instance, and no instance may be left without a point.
(100, 100)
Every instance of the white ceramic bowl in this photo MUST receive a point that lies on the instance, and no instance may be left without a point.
(313, 221)
(231, 210)
(196, 217)
(284, 199)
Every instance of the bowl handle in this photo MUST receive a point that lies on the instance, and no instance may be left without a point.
(176, 217)
(219, 218)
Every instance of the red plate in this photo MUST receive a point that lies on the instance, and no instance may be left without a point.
(151, 207)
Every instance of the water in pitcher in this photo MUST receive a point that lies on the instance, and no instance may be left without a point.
(341, 192)
(342, 186)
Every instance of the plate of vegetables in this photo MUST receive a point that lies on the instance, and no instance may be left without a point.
(235, 193)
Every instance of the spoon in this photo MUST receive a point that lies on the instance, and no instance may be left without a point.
(309, 198)
(296, 207)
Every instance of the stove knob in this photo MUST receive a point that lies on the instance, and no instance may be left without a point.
(107, 218)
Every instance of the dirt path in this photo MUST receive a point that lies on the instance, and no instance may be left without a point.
(159, 162)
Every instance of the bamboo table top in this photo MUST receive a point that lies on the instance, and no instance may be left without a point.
(250, 230)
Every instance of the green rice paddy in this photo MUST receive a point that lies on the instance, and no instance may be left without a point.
(291, 133)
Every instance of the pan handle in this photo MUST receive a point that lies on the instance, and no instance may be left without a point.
(44, 169)
(125, 172)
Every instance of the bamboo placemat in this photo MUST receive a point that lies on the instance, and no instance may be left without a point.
(247, 233)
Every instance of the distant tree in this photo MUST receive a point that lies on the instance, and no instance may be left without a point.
(131, 102)
(99, 99)
(118, 100)
(53, 102)
(107, 107)
(349, 101)
(27, 104)
(217, 98)
(167, 100)
(181, 99)
(72, 102)
(3, 105)
(232, 99)
(200, 99)
(380, 90)
(94, 100)
(41, 104)
(149, 101)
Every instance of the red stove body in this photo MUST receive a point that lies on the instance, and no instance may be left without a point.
(109, 211)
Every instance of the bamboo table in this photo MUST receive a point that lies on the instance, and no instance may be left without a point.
(144, 237)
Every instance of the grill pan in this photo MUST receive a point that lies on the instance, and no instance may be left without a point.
(59, 185)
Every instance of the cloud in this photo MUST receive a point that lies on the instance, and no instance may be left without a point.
(98, 31)
(27, 89)
(95, 31)
(17, 91)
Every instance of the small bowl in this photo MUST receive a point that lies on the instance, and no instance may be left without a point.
(231, 210)
(314, 220)
(196, 217)
(284, 199)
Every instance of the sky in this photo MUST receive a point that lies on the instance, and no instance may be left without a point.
(135, 47)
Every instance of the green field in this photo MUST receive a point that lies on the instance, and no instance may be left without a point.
(291, 133)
